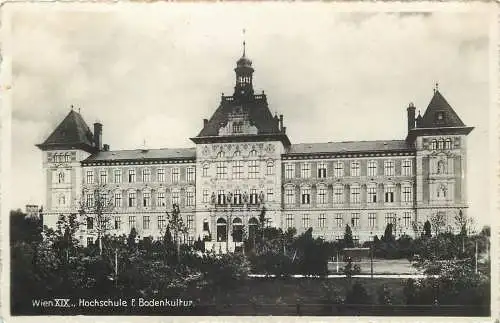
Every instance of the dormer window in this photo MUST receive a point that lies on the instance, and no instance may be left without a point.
(440, 116)
(237, 127)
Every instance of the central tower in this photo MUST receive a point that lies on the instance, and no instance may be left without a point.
(243, 90)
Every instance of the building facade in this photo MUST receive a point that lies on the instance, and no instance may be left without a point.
(243, 165)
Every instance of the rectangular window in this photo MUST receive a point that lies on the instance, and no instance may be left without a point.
(176, 175)
(131, 199)
(338, 169)
(146, 199)
(131, 221)
(372, 168)
(90, 200)
(270, 195)
(206, 196)
(118, 223)
(161, 174)
(406, 168)
(407, 219)
(118, 199)
(237, 169)
(118, 175)
(372, 194)
(407, 194)
(90, 241)
(190, 174)
(221, 197)
(103, 177)
(253, 196)
(289, 221)
(355, 169)
(221, 171)
(322, 170)
(322, 195)
(190, 221)
(146, 175)
(305, 221)
(355, 220)
(270, 168)
(189, 198)
(160, 200)
(253, 169)
(322, 221)
(389, 168)
(372, 220)
(131, 175)
(289, 195)
(289, 171)
(237, 197)
(355, 194)
(146, 222)
(390, 218)
(305, 170)
(389, 194)
(90, 223)
(305, 195)
(161, 222)
(338, 195)
(175, 196)
(90, 177)
(339, 220)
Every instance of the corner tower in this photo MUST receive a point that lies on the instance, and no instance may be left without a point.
(440, 139)
(71, 142)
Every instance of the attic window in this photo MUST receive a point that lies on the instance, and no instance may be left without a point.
(440, 116)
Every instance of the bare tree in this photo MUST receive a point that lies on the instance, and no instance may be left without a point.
(96, 206)
(438, 222)
(463, 223)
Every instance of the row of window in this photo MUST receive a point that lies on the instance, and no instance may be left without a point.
(253, 167)
(146, 175)
(441, 144)
(115, 222)
(60, 158)
(355, 169)
(339, 194)
(131, 200)
(372, 220)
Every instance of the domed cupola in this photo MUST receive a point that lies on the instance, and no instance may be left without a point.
(244, 71)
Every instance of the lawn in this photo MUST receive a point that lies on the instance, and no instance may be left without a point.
(380, 266)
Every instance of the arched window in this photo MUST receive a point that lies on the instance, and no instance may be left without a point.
(252, 227)
(440, 144)
(434, 144)
(204, 172)
(220, 154)
(442, 191)
(270, 168)
(60, 177)
(447, 144)
(237, 230)
(237, 153)
(253, 153)
(221, 229)
(67, 157)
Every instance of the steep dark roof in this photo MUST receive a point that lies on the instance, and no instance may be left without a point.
(72, 132)
(439, 105)
(143, 154)
(258, 111)
(349, 146)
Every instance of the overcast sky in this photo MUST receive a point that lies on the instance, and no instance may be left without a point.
(154, 72)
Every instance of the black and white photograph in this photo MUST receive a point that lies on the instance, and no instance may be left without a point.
(243, 159)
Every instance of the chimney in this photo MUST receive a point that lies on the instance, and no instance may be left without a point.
(98, 135)
(205, 122)
(281, 122)
(105, 147)
(411, 116)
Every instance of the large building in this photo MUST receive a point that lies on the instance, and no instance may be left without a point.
(243, 163)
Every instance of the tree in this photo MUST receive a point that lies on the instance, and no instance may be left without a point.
(384, 295)
(388, 236)
(348, 241)
(427, 229)
(463, 223)
(176, 224)
(438, 222)
(357, 295)
(96, 204)
(131, 237)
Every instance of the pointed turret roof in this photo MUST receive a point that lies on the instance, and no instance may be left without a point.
(71, 133)
(440, 114)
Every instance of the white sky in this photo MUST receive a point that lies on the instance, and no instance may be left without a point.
(154, 72)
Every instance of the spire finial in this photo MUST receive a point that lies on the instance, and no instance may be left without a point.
(72, 107)
(436, 88)
(244, 43)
